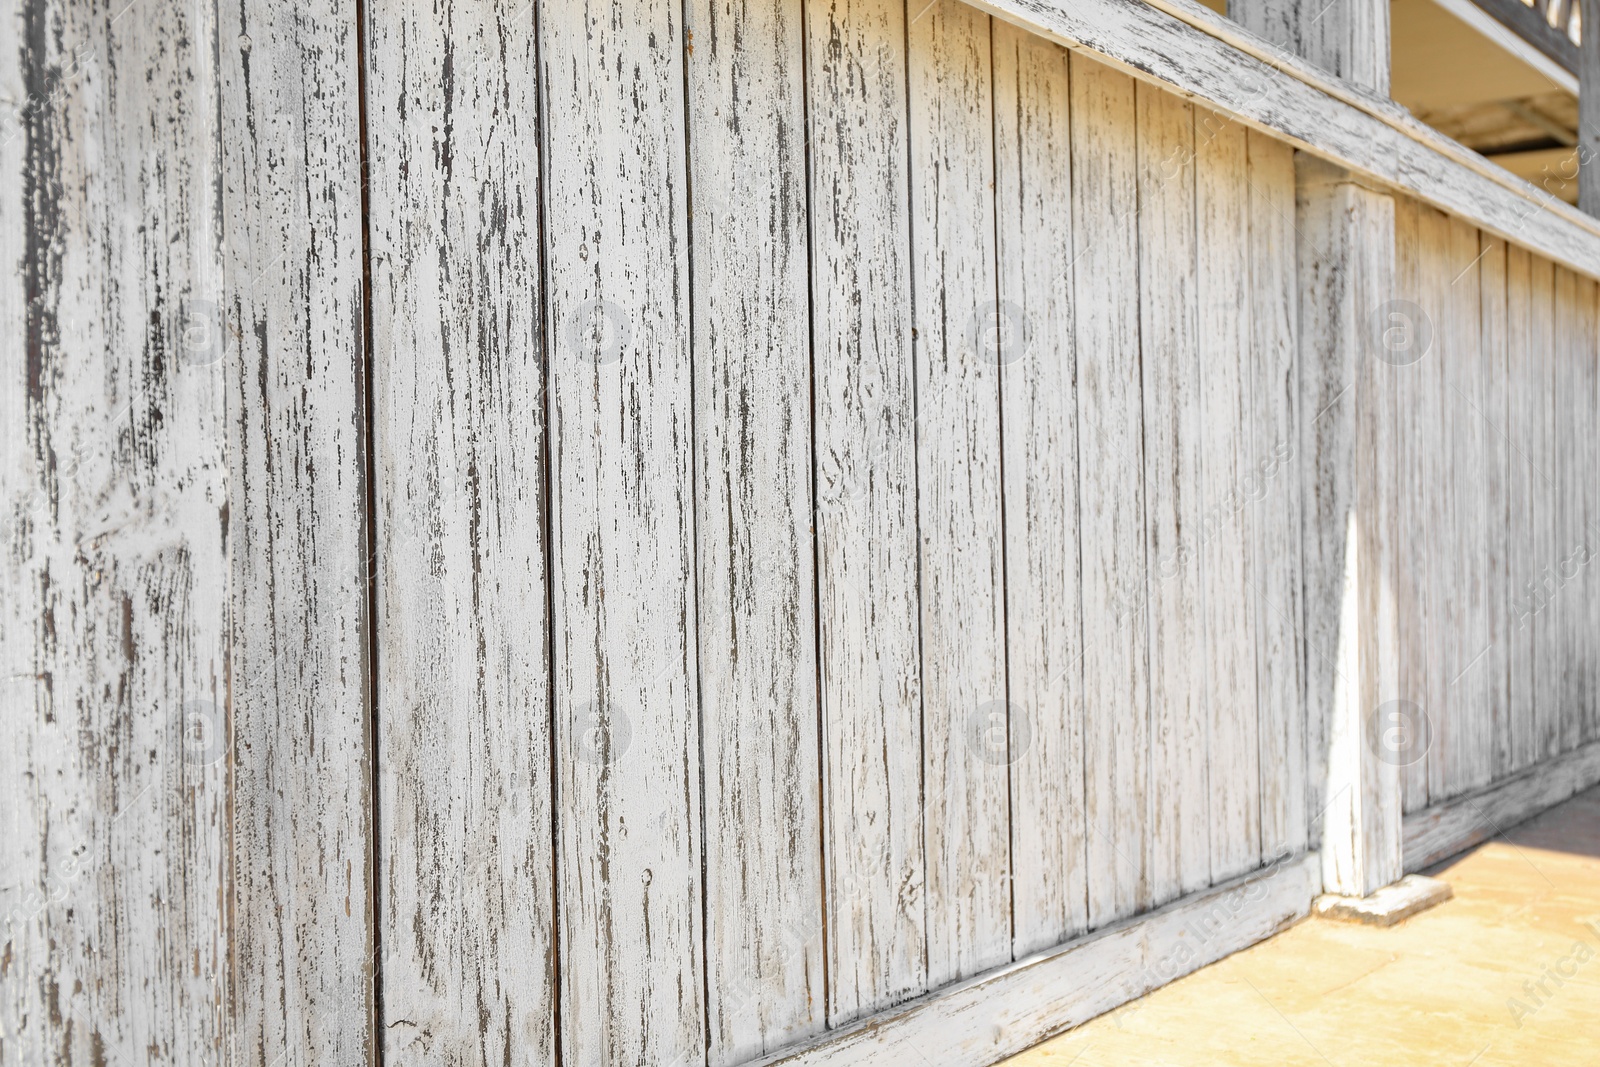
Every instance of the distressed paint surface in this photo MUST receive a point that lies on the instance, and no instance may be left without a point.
(865, 460)
(1038, 398)
(300, 671)
(114, 546)
(961, 344)
(756, 566)
(627, 734)
(463, 677)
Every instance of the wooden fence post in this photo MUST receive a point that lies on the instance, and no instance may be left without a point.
(1589, 110)
(1353, 334)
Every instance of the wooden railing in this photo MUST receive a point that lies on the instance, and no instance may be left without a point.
(1554, 27)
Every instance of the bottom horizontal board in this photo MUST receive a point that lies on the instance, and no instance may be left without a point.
(994, 1015)
(1439, 832)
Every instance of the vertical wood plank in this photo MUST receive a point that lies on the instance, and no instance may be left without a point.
(299, 667)
(1414, 443)
(1499, 479)
(1111, 494)
(114, 553)
(1435, 530)
(959, 347)
(1033, 141)
(465, 826)
(1568, 615)
(1547, 699)
(865, 451)
(1179, 827)
(1588, 344)
(622, 512)
(1273, 482)
(758, 670)
(1524, 429)
(1467, 715)
(1226, 534)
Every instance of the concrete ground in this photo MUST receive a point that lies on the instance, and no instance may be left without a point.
(1507, 973)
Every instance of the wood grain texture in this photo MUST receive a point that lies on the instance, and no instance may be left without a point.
(622, 521)
(865, 456)
(114, 548)
(1415, 417)
(1542, 345)
(465, 820)
(1226, 534)
(1499, 456)
(1111, 494)
(1039, 415)
(302, 750)
(1524, 430)
(1442, 830)
(1273, 484)
(988, 1018)
(756, 566)
(1208, 58)
(1466, 742)
(1435, 544)
(1180, 824)
(1349, 40)
(960, 347)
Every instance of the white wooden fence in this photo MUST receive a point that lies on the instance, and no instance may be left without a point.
(654, 533)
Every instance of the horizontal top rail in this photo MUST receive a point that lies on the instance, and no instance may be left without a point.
(1196, 52)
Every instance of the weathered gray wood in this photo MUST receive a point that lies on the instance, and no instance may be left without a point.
(1442, 830)
(1111, 495)
(1568, 511)
(1588, 471)
(1039, 415)
(1273, 484)
(984, 1020)
(865, 456)
(1499, 481)
(1180, 824)
(1524, 430)
(1547, 673)
(1465, 717)
(1346, 269)
(463, 684)
(1435, 545)
(114, 554)
(1210, 58)
(301, 907)
(756, 572)
(1347, 38)
(960, 348)
(622, 512)
(1589, 121)
(1226, 535)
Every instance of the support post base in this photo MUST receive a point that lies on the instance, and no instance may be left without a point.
(1387, 906)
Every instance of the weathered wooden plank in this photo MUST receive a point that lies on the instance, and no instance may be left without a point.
(756, 572)
(1349, 40)
(1346, 263)
(1588, 338)
(1039, 416)
(959, 346)
(1547, 674)
(1226, 536)
(1412, 415)
(1468, 733)
(1499, 481)
(866, 489)
(302, 817)
(1436, 486)
(1111, 494)
(1574, 331)
(114, 848)
(621, 433)
(1442, 830)
(1180, 825)
(988, 1018)
(1273, 481)
(1524, 431)
(463, 685)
